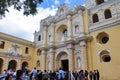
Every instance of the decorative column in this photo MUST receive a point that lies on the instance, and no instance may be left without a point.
(52, 33)
(43, 62)
(18, 65)
(100, 14)
(69, 24)
(81, 27)
(71, 57)
(45, 35)
(83, 55)
(114, 11)
(52, 59)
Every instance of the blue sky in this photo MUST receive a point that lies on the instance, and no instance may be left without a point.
(56, 3)
(23, 27)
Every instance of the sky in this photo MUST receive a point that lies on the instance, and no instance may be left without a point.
(18, 25)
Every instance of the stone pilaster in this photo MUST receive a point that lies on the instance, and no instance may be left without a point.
(45, 35)
(81, 27)
(52, 59)
(53, 33)
(43, 62)
(114, 11)
(69, 24)
(83, 55)
(100, 15)
(18, 65)
(71, 57)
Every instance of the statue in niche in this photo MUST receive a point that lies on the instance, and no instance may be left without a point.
(38, 63)
(48, 65)
(78, 62)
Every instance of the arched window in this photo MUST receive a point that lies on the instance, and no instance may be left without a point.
(104, 56)
(65, 33)
(39, 38)
(99, 1)
(95, 18)
(107, 14)
(2, 44)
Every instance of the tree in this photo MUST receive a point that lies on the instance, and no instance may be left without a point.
(28, 6)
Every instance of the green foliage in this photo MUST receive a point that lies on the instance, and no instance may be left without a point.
(28, 6)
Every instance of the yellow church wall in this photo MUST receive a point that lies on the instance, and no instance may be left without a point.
(9, 41)
(108, 70)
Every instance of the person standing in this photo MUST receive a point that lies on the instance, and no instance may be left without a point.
(19, 75)
(61, 74)
(34, 73)
(9, 77)
(98, 75)
(91, 75)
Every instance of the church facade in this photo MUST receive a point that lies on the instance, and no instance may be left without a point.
(75, 38)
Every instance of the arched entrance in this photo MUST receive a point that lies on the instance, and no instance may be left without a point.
(62, 61)
(12, 65)
(1, 65)
(24, 64)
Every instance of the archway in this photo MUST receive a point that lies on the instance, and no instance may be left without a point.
(61, 33)
(1, 65)
(62, 61)
(24, 64)
(12, 65)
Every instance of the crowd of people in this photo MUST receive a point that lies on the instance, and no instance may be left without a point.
(54, 75)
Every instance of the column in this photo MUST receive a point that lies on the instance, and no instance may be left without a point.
(52, 59)
(69, 25)
(100, 15)
(45, 35)
(83, 55)
(71, 57)
(43, 56)
(81, 27)
(53, 33)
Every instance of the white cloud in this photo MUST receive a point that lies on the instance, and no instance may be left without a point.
(67, 1)
(21, 26)
(57, 2)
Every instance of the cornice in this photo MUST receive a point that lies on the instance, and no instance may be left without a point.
(15, 56)
(31, 44)
(102, 6)
(105, 26)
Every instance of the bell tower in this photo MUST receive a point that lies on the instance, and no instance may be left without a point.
(93, 3)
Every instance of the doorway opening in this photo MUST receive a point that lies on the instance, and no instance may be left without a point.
(1, 65)
(12, 65)
(65, 64)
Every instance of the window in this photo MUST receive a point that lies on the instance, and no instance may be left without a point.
(26, 50)
(2, 44)
(76, 28)
(104, 56)
(99, 1)
(65, 33)
(107, 14)
(38, 52)
(95, 18)
(39, 38)
(102, 38)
